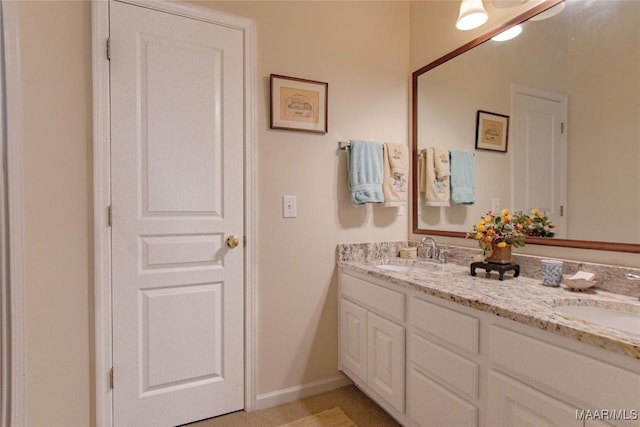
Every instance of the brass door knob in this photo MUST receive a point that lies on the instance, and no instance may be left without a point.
(233, 241)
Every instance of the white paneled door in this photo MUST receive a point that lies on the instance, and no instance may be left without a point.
(540, 165)
(177, 200)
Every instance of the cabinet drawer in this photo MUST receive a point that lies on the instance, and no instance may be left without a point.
(512, 404)
(453, 327)
(449, 368)
(583, 378)
(385, 301)
(429, 404)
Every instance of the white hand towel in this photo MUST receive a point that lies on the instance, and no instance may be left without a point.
(437, 191)
(394, 185)
(441, 162)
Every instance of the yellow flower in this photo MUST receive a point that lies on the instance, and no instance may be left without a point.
(480, 227)
(535, 211)
(478, 236)
(504, 212)
(502, 244)
(507, 218)
(487, 219)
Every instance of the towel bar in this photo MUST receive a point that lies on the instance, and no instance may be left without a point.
(343, 144)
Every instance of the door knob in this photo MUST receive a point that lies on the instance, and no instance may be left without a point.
(233, 241)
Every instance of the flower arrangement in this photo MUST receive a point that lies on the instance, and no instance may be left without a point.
(506, 229)
(502, 229)
(536, 223)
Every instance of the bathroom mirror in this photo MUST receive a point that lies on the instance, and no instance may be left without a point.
(586, 59)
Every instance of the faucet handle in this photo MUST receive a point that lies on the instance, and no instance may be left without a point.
(442, 256)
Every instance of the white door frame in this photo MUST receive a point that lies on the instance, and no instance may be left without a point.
(12, 405)
(102, 193)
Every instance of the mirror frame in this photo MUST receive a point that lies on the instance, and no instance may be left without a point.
(568, 243)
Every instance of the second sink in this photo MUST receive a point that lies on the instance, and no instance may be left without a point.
(625, 318)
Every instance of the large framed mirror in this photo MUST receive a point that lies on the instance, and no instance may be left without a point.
(569, 86)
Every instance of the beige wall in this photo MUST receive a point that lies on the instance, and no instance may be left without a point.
(56, 78)
(360, 48)
(604, 89)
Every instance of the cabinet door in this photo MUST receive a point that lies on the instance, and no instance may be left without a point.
(353, 339)
(512, 403)
(386, 359)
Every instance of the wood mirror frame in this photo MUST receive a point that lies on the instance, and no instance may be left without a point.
(569, 243)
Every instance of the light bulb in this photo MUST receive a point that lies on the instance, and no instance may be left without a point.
(509, 34)
(472, 15)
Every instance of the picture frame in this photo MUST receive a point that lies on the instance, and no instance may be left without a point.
(492, 131)
(298, 104)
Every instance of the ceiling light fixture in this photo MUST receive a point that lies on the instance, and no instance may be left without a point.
(509, 34)
(472, 15)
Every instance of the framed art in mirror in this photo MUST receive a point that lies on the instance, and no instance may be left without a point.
(492, 131)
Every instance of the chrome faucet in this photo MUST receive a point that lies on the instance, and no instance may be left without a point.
(434, 253)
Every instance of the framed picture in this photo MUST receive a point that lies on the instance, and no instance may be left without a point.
(298, 104)
(492, 131)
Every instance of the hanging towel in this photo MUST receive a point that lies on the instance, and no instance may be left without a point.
(462, 177)
(422, 173)
(365, 172)
(394, 186)
(437, 190)
(441, 162)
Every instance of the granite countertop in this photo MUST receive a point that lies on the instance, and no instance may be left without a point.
(522, 299)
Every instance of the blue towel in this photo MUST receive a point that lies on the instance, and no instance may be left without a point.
(365, 172)
(463, 179)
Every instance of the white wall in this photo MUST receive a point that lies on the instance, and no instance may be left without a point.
(360, 48)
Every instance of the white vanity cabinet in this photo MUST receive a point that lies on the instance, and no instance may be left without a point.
(533, 377)
(433, 362)
(372, 340)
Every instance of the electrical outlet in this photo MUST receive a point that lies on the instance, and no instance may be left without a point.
(289, 207)
(495, 204)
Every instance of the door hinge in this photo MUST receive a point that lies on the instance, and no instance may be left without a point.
(244, 241)
(561, 210)
(111, 379)
(562, 127)
(109, 216)
(109, 49)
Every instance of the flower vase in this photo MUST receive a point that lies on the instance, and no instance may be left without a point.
(499, 255)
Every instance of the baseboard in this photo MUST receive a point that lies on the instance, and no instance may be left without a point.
(286, 395)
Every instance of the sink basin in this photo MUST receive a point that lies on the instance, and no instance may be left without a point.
(392, 267)
(626, 317)
(418, 267)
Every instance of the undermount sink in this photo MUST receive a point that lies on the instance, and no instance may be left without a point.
(624, 317)
(392, 267)
(417, 267)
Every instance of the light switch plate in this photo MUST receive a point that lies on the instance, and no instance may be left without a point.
(289, 207)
